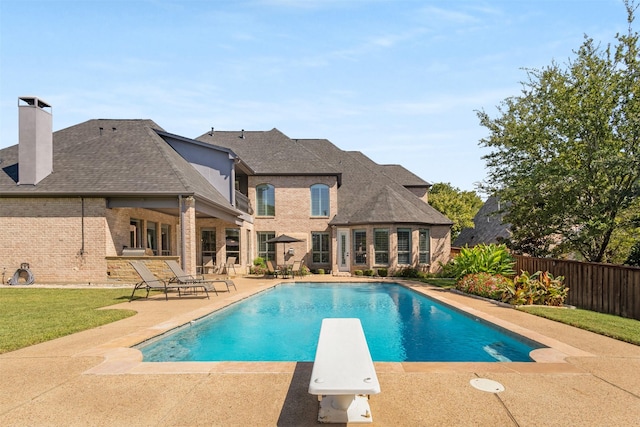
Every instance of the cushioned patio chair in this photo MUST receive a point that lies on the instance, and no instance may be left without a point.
(151, 282)
(180, 277)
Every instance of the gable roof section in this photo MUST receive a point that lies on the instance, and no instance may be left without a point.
(367, 194)
(124, 158)
(270, 152)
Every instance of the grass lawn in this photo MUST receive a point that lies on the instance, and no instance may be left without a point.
(31, 316)
(609, 325)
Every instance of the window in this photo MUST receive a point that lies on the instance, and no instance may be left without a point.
(319, 200)
(165, 239)
(360, 246)
(424, 247)
(320, 248)
(208, 246)
(152, 237)
(265, 200)
(135, 233)
(404, 246)
(266, 251)
(232, 236)
(381, 246)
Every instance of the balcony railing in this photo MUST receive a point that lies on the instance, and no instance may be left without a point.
(243, 203)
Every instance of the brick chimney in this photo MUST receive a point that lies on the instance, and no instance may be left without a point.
(35, 138)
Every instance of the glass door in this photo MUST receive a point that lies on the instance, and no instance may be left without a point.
(344, 259)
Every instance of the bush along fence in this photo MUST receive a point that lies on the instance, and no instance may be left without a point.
(604, 288)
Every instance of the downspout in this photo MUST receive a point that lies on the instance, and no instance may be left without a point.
(183, 249)
(82, 224)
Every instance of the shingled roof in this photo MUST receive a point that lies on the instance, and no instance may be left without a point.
(367, 194)
(270, 152)
(112, 158)
(488, 226)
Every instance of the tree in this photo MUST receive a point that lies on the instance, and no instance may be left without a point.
(566, 152)
(459, 206)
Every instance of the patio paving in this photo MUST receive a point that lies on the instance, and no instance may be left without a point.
(92, 378)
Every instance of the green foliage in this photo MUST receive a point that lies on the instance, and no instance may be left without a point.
(259, 267)
(484, 284)
(538, 288)
(321, 271)
(357, 272)
(565, 154)
(409, 273)
(492, 259)
(382, 272)
(634, 255)
(368, 272)
(459, 206)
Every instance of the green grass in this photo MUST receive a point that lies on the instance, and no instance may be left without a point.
(445, 283)
(608, 325)
(31, 316)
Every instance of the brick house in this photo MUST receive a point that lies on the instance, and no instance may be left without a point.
(79, 203)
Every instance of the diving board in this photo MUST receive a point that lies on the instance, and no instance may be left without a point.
(343, 373)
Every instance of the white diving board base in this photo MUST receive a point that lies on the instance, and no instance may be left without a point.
(343, 373)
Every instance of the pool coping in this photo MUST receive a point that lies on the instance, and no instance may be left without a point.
(120, 358)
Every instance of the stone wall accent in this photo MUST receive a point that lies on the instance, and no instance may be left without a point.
(119, 268)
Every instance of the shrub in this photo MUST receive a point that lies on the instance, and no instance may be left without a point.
(382, 272)
(321, 271)
(539, 288)
(259, 266)
(357, 272)
(410, 273)
(368, 272)
(484, 284)
(492, 259)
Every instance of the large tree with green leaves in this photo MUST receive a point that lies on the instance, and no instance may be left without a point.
(459, 206)
(565, 154)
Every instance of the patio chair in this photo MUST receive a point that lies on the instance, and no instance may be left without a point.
(271, 270)
(180, 277)
(208, 266)
(151, 282)
(230, 264)
(297, 269)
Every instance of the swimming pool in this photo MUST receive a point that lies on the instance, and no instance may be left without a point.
(283, 324)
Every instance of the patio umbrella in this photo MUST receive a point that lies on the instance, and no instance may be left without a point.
(283, 238)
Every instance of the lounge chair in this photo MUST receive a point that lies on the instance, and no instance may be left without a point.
(182, 278)
(271, 270)
(151, 282)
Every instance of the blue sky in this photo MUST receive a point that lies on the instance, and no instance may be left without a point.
(399, 80)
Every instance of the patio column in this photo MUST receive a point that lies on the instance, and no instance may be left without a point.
(190, 243)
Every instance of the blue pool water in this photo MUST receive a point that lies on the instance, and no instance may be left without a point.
(283, 324)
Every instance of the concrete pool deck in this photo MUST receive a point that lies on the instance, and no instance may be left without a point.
(94, 378)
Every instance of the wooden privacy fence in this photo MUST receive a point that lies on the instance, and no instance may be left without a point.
(605, 288)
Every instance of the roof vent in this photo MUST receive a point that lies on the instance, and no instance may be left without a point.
(212, 131)
(35, 140)
(242, 134)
